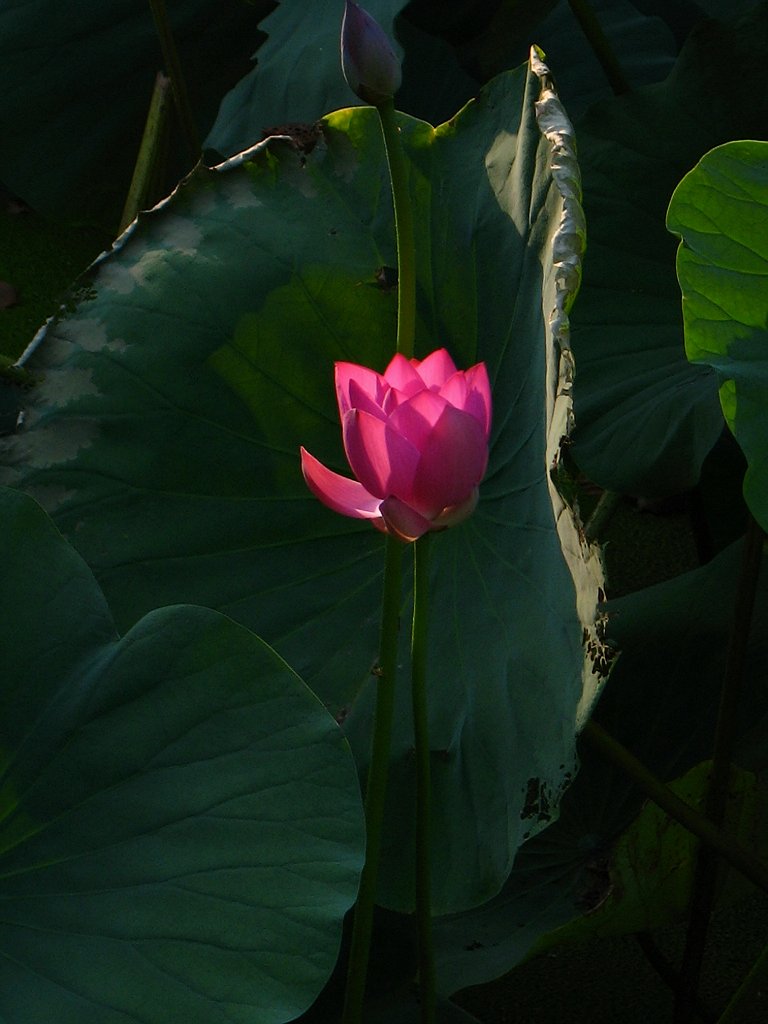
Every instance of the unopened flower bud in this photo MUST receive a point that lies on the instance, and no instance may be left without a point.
(369, 63)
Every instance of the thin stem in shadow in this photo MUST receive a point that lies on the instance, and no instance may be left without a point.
(729, 848)
(601, 47)
(178, 83)
(376, 788)
(406, 252)
(707, 863)
(419, 667)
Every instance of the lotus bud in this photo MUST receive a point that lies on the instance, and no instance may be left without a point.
(416, 438)
(368, 61)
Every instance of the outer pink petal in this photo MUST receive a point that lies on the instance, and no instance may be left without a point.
(403, 521)
(360, 399)
(453, 461)
(436, 368)
(369, 381)
(479, 396)
(339, 493)
(382, 459)
(401, 374)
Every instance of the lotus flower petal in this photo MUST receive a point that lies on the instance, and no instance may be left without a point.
(402, 375)
(455, 514)
(403, 521)
(436, 369)
(416, 417)
(360, 399)
(368, 381)
(382, 459)
(453, 462)
(479, 396)
(455, 391)
(348, 497)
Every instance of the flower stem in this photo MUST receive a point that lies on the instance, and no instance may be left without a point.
(419, 662)
(406, 251)
(376, 787)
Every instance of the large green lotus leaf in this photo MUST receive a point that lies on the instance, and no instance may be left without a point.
(77, 80)
(646, 417)
(720, 209)
(181, 829)
(165, 435)
(673, 639)
(298, 73)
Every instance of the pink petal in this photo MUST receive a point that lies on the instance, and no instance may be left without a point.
(383, 460)
(455, 390)
(479, 396)
(453, 460)
(456, 513)
(416, 417)
(401, 374)
(436, 368)
(339, 493)
(360, 399)
(370, 382)
(403, 521)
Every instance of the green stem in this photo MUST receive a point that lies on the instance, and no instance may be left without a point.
(149, 153)
(601, 47)
(178, 84)
(419, 665)
(730, 849)
(406, 251)
(705, 876)
(376, 788)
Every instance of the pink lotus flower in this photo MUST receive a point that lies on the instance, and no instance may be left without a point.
(416, 438)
